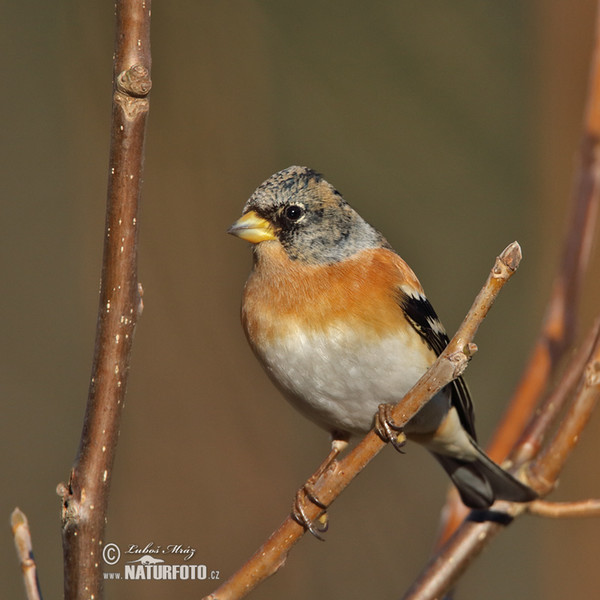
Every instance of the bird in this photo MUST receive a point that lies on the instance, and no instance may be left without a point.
(342, 326)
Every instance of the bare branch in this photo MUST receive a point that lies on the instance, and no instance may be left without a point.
(451, 363)
(560, 322)
(22, 536)
(451, 560)
(85, 497)
(545, 468)
(559, 325)
(532, 439)
(561, 510)
(549, 411)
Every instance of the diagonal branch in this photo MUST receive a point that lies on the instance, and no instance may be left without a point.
(543, 472)
(453, 558)
(550, 409)
(451, 363)
(85, 497)
(546, 416)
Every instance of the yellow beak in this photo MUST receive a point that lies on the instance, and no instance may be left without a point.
(252, 228)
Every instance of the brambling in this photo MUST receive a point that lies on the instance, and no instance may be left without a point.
(341, 325)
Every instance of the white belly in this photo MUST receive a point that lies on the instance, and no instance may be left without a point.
(339, 379)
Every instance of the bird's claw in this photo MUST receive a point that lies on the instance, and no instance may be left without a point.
(318, 526)
(387, 430)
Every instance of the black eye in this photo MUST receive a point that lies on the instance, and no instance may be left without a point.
(294, 212)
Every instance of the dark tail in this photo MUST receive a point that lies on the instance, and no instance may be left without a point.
(480, 482)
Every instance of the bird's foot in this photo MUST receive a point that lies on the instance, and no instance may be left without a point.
(305, 495)
(387, 430)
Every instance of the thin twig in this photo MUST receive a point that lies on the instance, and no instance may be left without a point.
(568, 510)
(22, 536)
(85, 497)
(451, 363)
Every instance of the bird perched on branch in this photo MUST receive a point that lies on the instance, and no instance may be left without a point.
(341, 325)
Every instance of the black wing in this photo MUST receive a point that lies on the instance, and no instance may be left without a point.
(422, 317)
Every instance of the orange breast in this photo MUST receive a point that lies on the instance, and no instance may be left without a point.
(282, 295)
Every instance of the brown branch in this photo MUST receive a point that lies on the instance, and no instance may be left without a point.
(559, 326)
(532, 439)
(453, 558)
(85, 497)
(22, 536)
(548, 412)
(451, 363)
(562, 510)
(545, 468)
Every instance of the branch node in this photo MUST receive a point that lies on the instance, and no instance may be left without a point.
(592, 374)
(140, 306)
(470, 349)
(535, 481)
(459, 361)
(135, 81)
(131, 105)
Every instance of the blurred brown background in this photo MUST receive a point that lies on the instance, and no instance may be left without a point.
(453, 127)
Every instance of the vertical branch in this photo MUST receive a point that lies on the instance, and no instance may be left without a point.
(85, 497)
